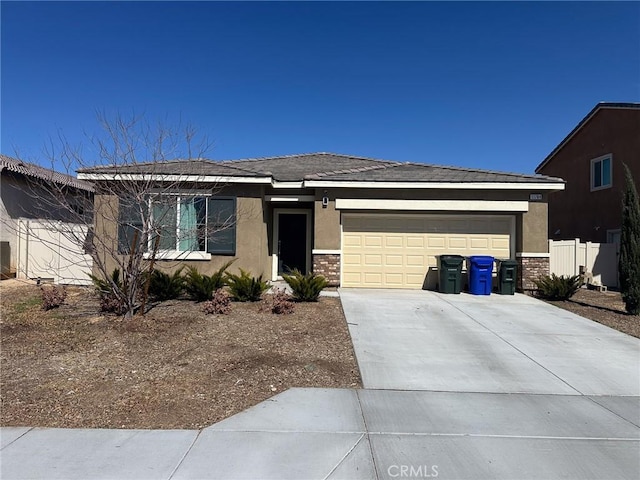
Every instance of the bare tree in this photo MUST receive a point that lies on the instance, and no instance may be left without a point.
(151, 201)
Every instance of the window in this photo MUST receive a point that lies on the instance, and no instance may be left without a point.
(180, 223)
(221, 225)
(130, 225)
(601, 172)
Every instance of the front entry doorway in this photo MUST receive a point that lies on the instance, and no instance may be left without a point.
(292, 242)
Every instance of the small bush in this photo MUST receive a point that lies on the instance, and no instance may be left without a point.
(109, 300)
(164, 286)
(281, 303)
(106, 286)
(558, 287)
(306, 288)
(53, 297)
(245, 288)
(201, 287)
(220, 304)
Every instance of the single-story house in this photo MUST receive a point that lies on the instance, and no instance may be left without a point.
(360, 222)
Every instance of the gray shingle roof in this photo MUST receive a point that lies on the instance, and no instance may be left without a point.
(326, 166)
(36, 171)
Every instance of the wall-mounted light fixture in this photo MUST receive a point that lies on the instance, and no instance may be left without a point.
(325, 199)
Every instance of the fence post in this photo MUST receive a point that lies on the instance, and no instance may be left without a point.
(576, 256)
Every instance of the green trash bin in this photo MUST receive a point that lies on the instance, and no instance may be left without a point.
(450, 273)
(507, 276)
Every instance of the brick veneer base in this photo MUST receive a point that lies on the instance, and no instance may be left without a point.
(328, 265)
(530, 269)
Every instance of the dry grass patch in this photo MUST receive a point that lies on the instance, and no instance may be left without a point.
(174, 368)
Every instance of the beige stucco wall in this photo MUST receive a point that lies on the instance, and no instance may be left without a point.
(252, 250)
(531, 229)
(531, 226)
(326, 223)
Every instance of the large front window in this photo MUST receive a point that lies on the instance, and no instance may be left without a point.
(177, 224)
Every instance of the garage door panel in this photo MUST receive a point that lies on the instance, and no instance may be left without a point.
(373, 260)
(458, 243)
(415, 241)
(393, 260)
(394, 241)
(396, 251)
(482, 243)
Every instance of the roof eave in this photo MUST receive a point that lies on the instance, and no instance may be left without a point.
(581, 124)
(547, 186)
(141, 177)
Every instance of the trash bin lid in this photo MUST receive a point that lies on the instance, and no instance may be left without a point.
(481, 260)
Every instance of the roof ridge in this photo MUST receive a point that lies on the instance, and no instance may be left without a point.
(387, 164)
(309, 154)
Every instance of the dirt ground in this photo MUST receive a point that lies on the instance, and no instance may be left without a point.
(603, 307)
(174, 368)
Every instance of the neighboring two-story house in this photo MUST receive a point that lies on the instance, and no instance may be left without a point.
(590, 160)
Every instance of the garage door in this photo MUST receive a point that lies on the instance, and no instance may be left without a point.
(396, 251)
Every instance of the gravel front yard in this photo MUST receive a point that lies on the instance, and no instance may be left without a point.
(602, 307)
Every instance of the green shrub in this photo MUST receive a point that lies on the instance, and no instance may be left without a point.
(164, 286)
(202, 287)
(629, 260)
(305, 288)
(109, 292)
(558, 287)
(245, 288)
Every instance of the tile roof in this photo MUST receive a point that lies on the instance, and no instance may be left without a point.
(198, 166)
(36, 171)
(327, 166)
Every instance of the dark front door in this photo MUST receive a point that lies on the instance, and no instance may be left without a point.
(292, 242)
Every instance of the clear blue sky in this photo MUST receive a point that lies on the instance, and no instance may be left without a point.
(487, 85)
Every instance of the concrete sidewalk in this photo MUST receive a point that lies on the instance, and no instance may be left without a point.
(355, 434)
(457, 386)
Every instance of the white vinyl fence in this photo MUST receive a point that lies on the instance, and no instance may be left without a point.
(53, 251)
(600, 259)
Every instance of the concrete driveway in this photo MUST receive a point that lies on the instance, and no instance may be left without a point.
(417, 340)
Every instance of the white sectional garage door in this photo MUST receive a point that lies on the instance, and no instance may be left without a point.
(396, 250)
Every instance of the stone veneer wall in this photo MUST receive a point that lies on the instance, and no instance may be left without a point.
(530, 269)
(328, 265)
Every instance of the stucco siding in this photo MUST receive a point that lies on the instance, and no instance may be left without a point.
(577, 212)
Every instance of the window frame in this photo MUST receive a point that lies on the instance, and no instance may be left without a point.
(592, 178)
(175, 253)
(233, 227)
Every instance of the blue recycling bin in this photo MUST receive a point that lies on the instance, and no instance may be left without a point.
(480, 274)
